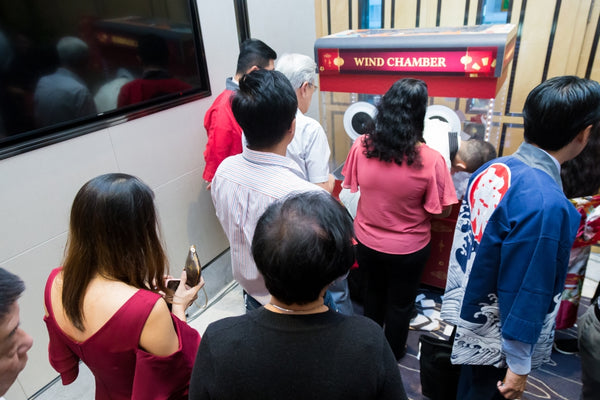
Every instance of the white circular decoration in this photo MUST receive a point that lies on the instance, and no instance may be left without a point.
(358, 118)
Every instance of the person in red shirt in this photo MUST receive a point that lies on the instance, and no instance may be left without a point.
(224, 133)
(156, 81)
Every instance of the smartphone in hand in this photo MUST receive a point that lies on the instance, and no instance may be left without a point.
(173, 284)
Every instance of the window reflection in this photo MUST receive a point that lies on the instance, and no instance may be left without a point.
(495, 12)
(64, 95)
(371, 14)
(156, 80)
(84, 60)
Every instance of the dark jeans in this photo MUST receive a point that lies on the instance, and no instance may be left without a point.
(479, 382)
(250, 302)
(391, 283)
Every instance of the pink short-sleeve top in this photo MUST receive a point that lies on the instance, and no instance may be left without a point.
(396, 201)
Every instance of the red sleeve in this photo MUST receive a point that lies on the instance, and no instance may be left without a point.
(224, 135)
(167, 377)
(124, 98)
(62, 359)
(350, 170)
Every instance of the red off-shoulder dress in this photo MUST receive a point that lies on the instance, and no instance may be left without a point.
(121, 368)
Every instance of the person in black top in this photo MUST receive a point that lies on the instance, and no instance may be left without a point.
(295, 347)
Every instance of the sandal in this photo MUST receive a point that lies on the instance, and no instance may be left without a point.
(424, 323)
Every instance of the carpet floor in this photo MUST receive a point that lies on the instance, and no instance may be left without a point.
(558, 380)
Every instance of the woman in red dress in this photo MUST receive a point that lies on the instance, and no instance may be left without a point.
(104, 305)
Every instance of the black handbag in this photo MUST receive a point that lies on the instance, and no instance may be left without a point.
(439, 377)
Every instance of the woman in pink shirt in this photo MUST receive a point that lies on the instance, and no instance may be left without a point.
(403, 184)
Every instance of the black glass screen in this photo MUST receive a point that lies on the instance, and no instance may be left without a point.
(69, 66)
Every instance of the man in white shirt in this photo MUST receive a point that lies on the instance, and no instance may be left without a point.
(244, 185)
(63, 95)
(309, 148)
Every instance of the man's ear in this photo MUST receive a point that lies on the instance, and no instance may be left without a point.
(302, 91)
(252, 68)
(292, 128)
(584, 135)
(459, 165)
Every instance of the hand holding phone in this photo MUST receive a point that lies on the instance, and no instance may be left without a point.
(193, 271)
(185, 295)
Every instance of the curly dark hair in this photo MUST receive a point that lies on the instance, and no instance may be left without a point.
(399, 123)
(581, 175)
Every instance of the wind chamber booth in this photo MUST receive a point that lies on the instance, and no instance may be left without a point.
(465, 69)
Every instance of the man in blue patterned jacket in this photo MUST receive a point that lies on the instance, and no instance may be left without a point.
(511, 245)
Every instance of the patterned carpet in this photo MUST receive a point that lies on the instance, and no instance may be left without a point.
(559, 379)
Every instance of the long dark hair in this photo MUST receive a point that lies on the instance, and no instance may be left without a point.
(399, 123)
(581, 175)
(113, 232)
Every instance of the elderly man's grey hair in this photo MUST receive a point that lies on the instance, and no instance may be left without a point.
(72, 51)
(298, 68)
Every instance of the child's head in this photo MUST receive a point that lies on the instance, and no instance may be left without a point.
(472, 154)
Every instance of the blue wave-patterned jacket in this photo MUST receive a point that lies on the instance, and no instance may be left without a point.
(509, 258)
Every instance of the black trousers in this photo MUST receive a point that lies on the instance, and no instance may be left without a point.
(479, 382)
(391, 284)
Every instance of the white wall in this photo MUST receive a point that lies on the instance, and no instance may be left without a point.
(164, 149)
(288, 26)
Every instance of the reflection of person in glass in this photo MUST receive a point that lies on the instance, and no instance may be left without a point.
(5, 60)
(156, 81)
(63, 95)
(18, 76)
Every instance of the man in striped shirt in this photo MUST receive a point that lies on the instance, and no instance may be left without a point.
(244, 185)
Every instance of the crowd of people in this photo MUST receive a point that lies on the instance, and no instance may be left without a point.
(293, 244)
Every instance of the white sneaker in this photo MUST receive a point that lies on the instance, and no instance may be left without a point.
(424, 323)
